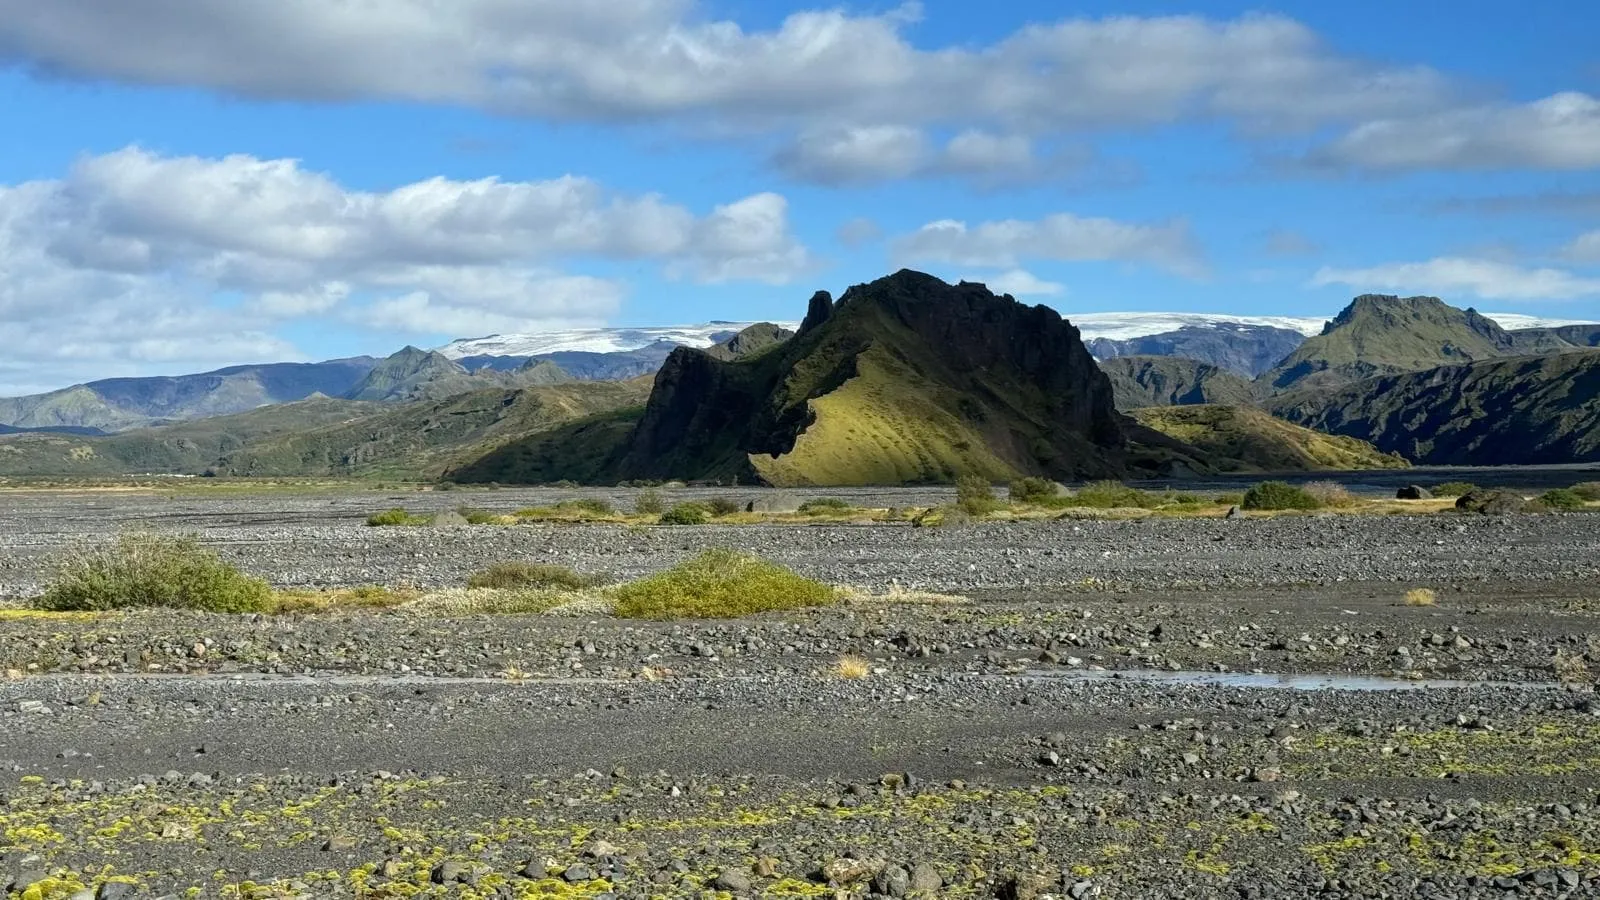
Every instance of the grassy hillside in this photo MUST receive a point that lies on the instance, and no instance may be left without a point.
(1383, 335)
(1244, 439)
(1523, 410)
(1141, 381)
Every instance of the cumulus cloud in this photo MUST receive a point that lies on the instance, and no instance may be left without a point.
(1060, 238)
(1021, 283)
(663, 61)
(118, 262)
(1584, 249)
(1455, 276)
(1560, 132)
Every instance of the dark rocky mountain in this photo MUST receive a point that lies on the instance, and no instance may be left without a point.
(1384, 335)
(905, 379)
(1518, 410)
(1140, 381)
(755, 339)
(1575, 336)
(1246, 350)
(117, 404)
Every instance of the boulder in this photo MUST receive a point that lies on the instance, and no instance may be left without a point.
(448, 519)
(777, 502)
(1413, 492)
(1491, 503)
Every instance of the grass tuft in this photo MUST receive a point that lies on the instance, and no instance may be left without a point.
(822, 506)
(719, 584)
(522, 575)
(1277, 495)
(975, 495)
(1561, 499)
(686, 514)
(1112, 495)
(151, 570)
(649, 503)
(1421, 597)
(1331, 493)
(1571, 669)
(851, 668)
(395, 517)
(724, 506)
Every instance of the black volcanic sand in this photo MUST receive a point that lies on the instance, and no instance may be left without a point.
(991, 750)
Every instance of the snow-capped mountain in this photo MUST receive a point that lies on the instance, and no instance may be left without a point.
(1515, 321)
(595, 340)
(1124, 326)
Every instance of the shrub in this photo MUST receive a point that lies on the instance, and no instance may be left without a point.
(851, 668)
(1588, 490)
(477, 516)
(1033, 490)
(1228, 499)
(519, 575)
(975, 494)
(1452, 489)
(719, 584)
(150, 570)
(1331, 493)
(1111, 495)
(1272, 495)
(1561, 499)
(1421, 597)
(1571, 668)
(588, 506)
(821, 506)
(649, 503)
(724, 506)
(396, 516)
(685, 514)
(1175, 498)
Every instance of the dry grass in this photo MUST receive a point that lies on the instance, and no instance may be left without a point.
(496, 602)
(310, 602)
(1571, 669)
(1331, 494)
(1421, 597)
(896, 594)
(851, 668)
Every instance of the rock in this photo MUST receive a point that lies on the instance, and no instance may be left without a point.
(1491, 503)
(1024, 887)
(85, 894)
(734, 882)
(451, 872)
(767, 867)
(774, 502)
(339, 843)
(578, 872)
(448, 518)
(1234, 513)
(1413, 492)
(925, 879)
(892, 882)
(1080, 890)
(845, 872)
(115, 890)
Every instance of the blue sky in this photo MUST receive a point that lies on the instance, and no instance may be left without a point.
(186, 184)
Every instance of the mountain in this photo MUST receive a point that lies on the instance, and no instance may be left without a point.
(62, 429)
(594, 340)
(1245, 439)
(755, 339)
(541, 372)
(411, 374)
(118, 404)
(1381, 335)
(1515, 411)
(583, 365)
(1139, 381)
(906, 379)
(1246, 350)
(1576, 336)
(1127, 326)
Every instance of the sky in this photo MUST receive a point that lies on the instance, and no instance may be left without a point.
(186, 184)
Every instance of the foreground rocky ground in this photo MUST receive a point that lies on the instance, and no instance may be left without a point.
(1088, 724)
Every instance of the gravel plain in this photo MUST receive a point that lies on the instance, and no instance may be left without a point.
(1101, 717)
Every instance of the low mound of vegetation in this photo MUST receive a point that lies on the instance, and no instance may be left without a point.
(686, 514)
(719, 584)
(1453, 489)
(822, 506)
(1278, 495)
(1034, 490)
(151, 570)
(1588, 490)
(397, 517)
(1561, 500)
(524, 575)
(975, 495)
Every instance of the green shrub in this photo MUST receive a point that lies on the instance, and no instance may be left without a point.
(1112, 495)
(1561, 499)
(151, 570)
(975, 494)
(396, 516)
(686, 514)
(724, 506)
(821, 506)
(719, 584)
(1272, 495)
(586, 507)
(649, 503)
(477, 516)
(1588, 490)
(1452, 489)
(1175, 498)
(518, 575)
(1033, 490)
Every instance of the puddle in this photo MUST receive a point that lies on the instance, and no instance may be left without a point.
(1270, 681)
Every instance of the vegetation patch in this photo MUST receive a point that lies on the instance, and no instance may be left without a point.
(498, 602)
(1421, 597)
(649, 503)
(151, 570)
(1588, 490)
(523, 575)
(368, 597)
(1452, 489)
(1112, 495)
(724, 506)
(975, 495)
(852, 668)
(1331, 493)
(686, 514)
(720, 584)
(1278, 495)
(1561, 499)
(822, 506)
(395, 517)
(1034, 490)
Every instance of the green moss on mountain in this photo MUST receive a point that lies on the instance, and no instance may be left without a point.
(1245, 439)
(1141, 381)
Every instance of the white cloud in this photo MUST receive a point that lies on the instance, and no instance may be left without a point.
(1560, 133)
(118, 262)
(847, 155)
(1454, 276)
(1021, 283)
(984, 153)
(664, 61)
(1584, 249)
(1061, 238)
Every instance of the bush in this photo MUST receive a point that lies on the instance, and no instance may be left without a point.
(1452, 489)
(719, 584)
(1421, 597)
(975, 494)
(1331, 493)
(518, 575)
(1561, 499)
(1033, 490)
(475, 516)
(724, 506)
(686, 514)
(586, 507)
(649, 503)
(150, 570)
(396, 516)
(1588, 490)
(1174, 498)
(1273, 495)
(821, 506)
(1111, 495)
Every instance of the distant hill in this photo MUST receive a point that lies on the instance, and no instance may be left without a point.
(584, 365)
(1520, 410)
(906, 379)
(415, 374)
(118, 404)
(1575, 336)
(1245, 350)
(1139, 381)
(757, 338)
(1245, 439)
(1384, 335)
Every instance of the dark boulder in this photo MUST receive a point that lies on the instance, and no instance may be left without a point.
(1413, 492)
(1491, 503)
